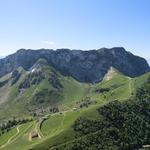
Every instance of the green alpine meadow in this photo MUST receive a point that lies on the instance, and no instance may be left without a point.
(49, 104)
(74, 74)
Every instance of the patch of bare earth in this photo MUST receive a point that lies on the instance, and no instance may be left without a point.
(109, 74)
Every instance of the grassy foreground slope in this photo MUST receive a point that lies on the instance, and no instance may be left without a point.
(126, 88)
(121, 125)
(57, 129)
(17, 138)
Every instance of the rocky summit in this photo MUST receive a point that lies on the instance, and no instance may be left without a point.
(85, 66)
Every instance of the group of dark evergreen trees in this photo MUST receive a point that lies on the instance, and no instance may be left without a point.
(7, 125)
(121, 125)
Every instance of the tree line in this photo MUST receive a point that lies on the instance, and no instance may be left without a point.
(9, 124)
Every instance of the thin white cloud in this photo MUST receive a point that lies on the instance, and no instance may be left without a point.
(49, 42)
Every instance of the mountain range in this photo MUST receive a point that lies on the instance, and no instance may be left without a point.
(84, 66)
(61, 93)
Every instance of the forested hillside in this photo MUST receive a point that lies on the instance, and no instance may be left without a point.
(121, 125)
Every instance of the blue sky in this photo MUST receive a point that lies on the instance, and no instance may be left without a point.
(75, 24)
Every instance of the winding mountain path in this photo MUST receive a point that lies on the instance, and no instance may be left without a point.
(37, 128)
(15, 136)
(10, 140)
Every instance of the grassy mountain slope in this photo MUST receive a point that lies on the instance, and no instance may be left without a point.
(68, 134)
(42, 86)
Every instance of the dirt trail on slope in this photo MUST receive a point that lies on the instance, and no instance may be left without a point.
(9, 141)
(14, 137)
(37, 129)
(109, 74)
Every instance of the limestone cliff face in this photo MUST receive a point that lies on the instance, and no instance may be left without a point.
(85, 66)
